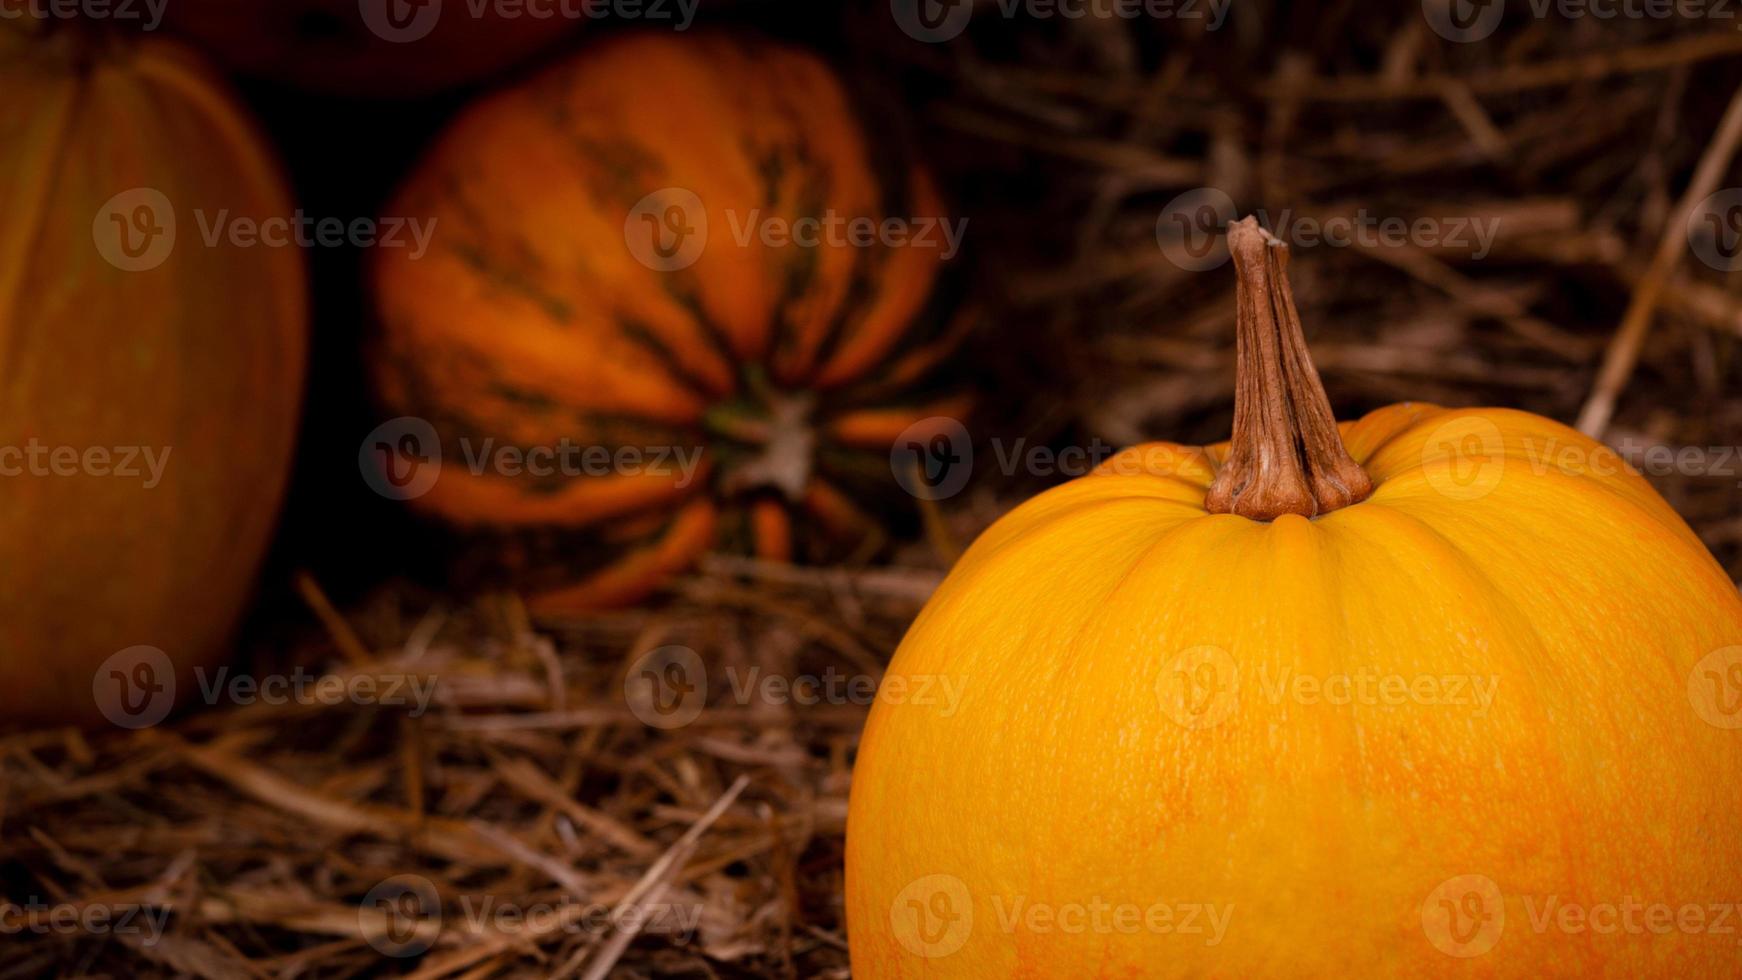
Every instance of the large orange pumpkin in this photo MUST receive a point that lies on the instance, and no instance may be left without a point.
(372, 48)
(149, 378)
(1459, 700)
(591, 285)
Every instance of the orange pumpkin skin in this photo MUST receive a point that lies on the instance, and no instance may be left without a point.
(198, 359)
(532, 321)
(1131, 732)
(327, 46)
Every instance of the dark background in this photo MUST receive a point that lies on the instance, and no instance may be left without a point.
(1062, 139)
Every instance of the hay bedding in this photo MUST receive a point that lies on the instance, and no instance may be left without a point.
(554, 829)
(536, 810)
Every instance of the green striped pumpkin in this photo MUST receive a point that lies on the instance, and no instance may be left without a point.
(598, 277)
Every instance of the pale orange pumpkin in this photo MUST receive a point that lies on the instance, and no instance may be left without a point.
(545, 314)
(1459, 700)
(149, 380)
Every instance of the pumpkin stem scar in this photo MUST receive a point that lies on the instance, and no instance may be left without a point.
(1286, 456)
(787, 443)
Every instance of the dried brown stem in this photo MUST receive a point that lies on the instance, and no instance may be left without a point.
(1287, 456)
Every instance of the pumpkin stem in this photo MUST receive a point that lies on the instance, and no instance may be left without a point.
(1286, 456)
(788, 442)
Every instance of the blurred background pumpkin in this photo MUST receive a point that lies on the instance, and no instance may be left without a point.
(373, 49)
(600, 278)
(169, 363)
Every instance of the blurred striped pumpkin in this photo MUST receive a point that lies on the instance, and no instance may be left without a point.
(600, 275)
